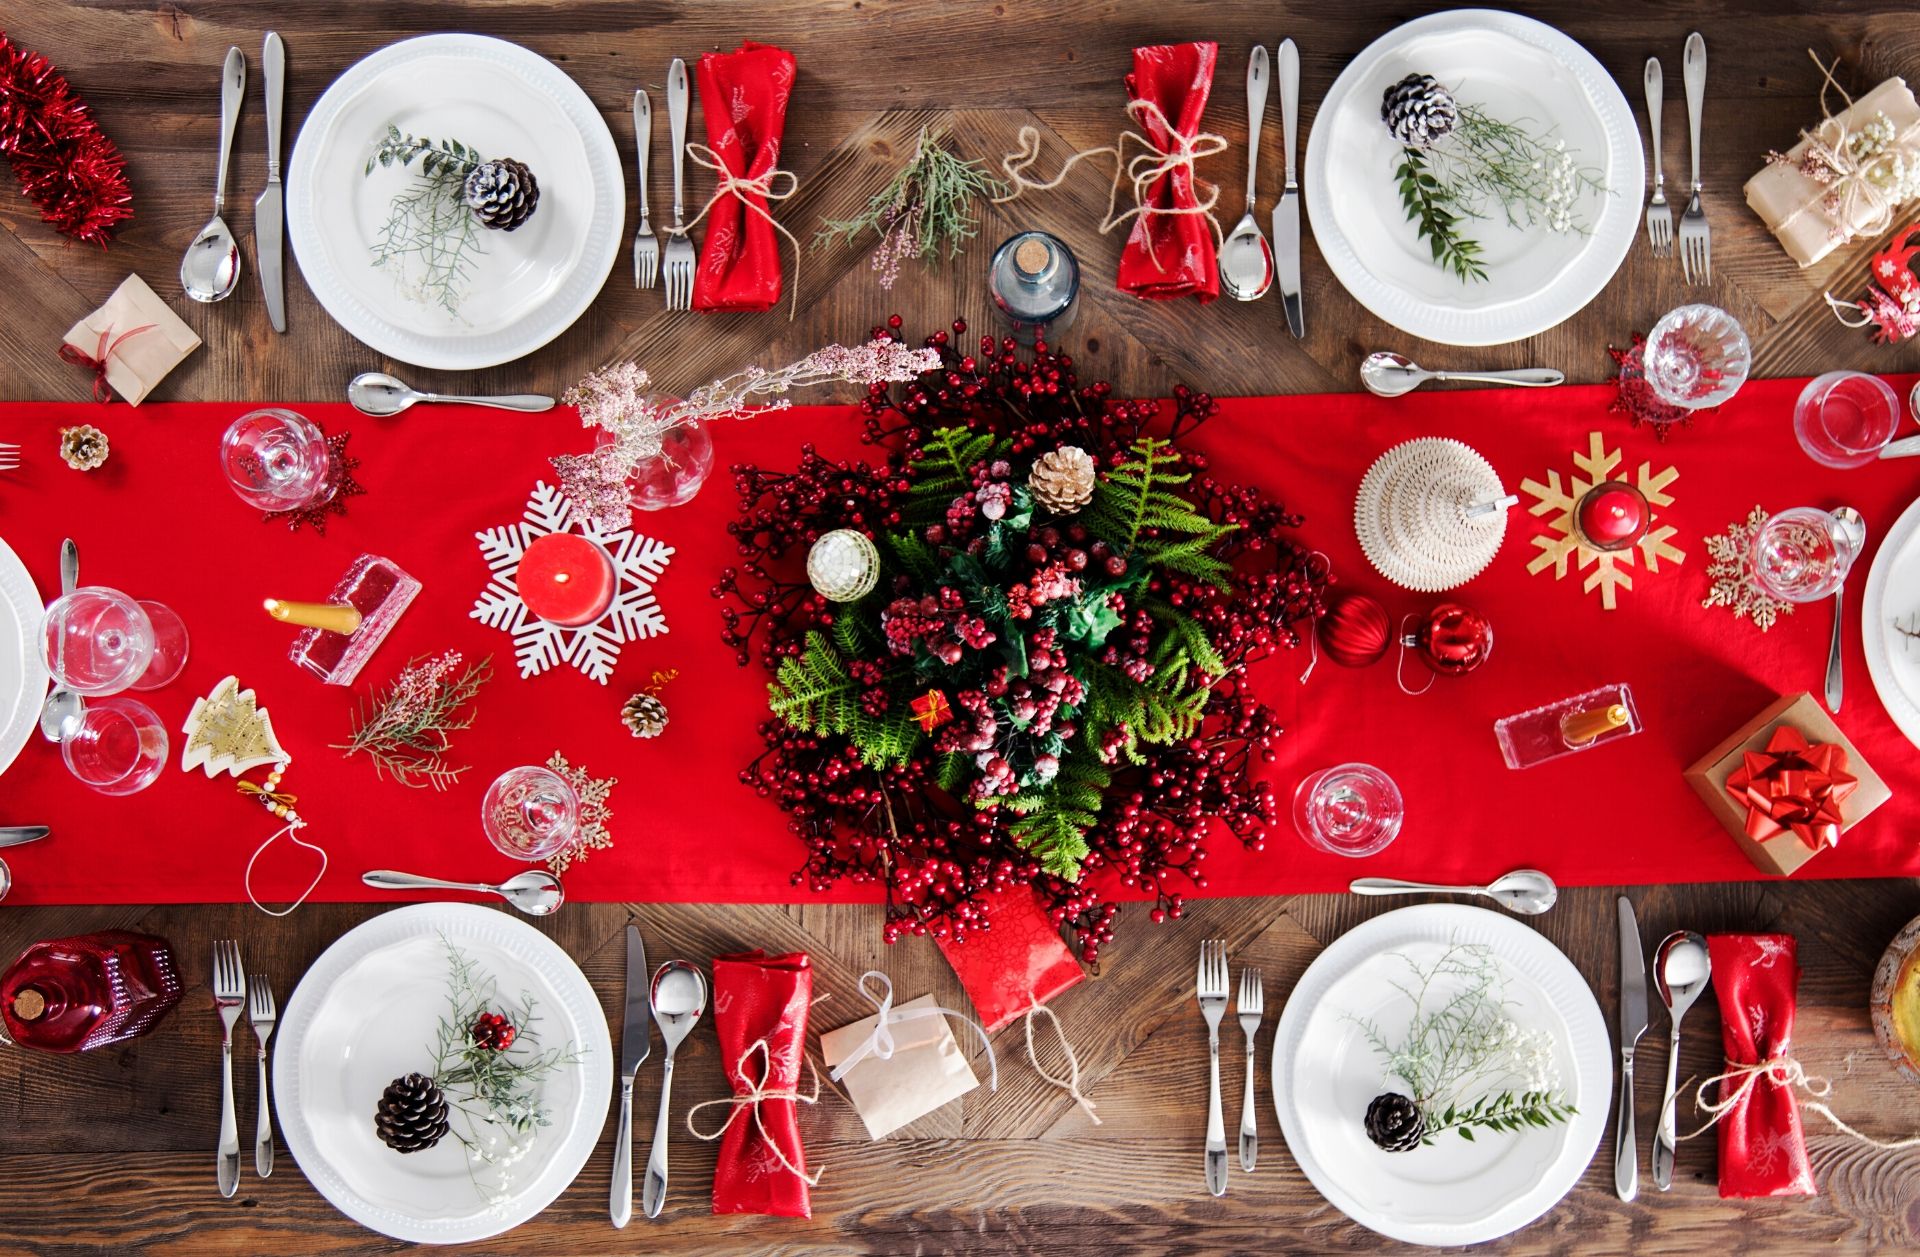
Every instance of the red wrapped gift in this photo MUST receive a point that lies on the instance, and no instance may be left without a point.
(743, 96)
(1170, 252)
(1015, 963)
(1762, 1151)
(760, 1015)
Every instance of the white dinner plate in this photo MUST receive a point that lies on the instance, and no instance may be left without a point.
(503, 100)
(367, 1012)
(1325, 1072)
(1521, 71)
(23, 674)
(1893, 594)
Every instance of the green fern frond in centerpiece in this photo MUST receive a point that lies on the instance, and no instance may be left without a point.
(1136, 509)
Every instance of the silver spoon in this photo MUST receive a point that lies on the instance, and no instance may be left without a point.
(678, 996)
(1682, 967)
(211, 268)
(378, 394)
(1528, 892)
(535, 892)
(1853, 533)
(1246, 260)
(1393, 375)
(6, 879)
(63, 705)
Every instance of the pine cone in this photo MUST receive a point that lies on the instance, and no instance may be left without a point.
(646, 715)
(84, 447)
(1419, 111)
(502, 193)
(1395, 1122)
(493, 1032)
(412, 1114)
(1062, 481)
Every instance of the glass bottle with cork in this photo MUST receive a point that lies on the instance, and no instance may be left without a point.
(1036, 285)
(75, 994)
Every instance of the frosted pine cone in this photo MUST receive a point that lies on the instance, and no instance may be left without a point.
(645, 715)
(1063, 480)
(1419, 111)
(502, 193)
(84, 447)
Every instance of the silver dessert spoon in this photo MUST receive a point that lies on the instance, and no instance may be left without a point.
(535, 892)
(211, 268)
(1853, 530)
(1682, 967)
(63, 705)
(678, 996)
(381, 395)
(1394, 375)
(1528, 892)
(1246, 259)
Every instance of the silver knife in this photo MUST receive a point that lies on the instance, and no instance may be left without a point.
(270, 211)
(1286, 214)
(14, 835)
(1633, 1024)
(633, 1050)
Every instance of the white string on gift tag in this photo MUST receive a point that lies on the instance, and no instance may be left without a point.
(879, 1042)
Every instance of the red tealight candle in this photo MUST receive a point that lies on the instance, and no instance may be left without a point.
(565, 579)
(1612, 516)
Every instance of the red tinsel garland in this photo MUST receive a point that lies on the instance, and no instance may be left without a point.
(65, 163)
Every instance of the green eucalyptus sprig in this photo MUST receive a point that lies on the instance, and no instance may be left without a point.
(429, 227)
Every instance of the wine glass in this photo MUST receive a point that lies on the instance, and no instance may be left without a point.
(277, 460)
(1802, 555)
(169, 646)
(1844, 418)
(1696, 357)
(530, 813)
(118, 746)
(96, 641)
(1353, 809)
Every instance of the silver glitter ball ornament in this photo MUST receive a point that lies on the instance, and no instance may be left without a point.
(843, 566)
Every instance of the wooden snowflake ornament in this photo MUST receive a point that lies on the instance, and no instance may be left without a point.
(1609, 572)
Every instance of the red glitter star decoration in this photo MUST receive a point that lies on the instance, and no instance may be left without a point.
(340, 465)
(931, 710)
(1635, 398)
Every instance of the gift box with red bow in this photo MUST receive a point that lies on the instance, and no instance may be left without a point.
(1787, 784)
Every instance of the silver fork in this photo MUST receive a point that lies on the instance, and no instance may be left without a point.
(9, 456)
(679, 257)
(229, 993)
(1252, 1001)
(646, 248)
(260, 1011)
(1696, 242)
(1659, 215)
(1212, 990)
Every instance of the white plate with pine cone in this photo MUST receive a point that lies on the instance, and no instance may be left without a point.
(1516, 70)
(368, 1014)
(510, 290)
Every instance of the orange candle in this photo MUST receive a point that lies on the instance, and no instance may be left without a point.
(565, 579)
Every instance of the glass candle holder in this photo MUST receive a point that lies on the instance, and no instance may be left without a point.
(277, 460)
(674, 475)
(96, 641)
(1697, 357)
(118, 746)
(1801, 555)
(342, 633)
(530, 813)
(1845, 418)
(1352, 809)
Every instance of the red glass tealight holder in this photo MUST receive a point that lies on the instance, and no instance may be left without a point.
(73, 994)
(565, 579)
(339, 635)
(1612, 515)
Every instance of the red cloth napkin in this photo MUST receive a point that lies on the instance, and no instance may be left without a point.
(1180, 261)
(1762, 1152)
(757, 997)
(743, 96)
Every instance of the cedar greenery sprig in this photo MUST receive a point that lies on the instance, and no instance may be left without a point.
(1431, 206)
(489, 1085)
(406, 731)
(927, 205)
(429, 223)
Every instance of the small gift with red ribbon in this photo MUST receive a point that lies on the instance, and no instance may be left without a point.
(760, 1007)
(1787, 784)
(743, 96)
(1172, 249)
(1017, 962)
(129, 344)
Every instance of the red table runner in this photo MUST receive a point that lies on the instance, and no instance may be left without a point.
(159, 522)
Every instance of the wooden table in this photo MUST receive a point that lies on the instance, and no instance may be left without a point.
(112, 1152)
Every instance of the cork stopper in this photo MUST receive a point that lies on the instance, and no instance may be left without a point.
(28, 1004)
(1032, 256)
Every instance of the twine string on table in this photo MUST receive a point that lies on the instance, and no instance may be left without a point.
(1071, 1082)
(1781, 1070)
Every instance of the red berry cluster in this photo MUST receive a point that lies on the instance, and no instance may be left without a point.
(910, 827)
(493, 1032)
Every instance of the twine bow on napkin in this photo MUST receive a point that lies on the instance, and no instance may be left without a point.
(879, 1042)
(729, 184)
(1793, 785)
(750, 1099)
(1780, 1070)
(96, 362)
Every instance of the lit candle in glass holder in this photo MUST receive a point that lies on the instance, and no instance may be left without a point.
(565, 579)
(1611, 516)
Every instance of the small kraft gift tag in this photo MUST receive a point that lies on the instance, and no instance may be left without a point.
(130, 343)
(902, 1062)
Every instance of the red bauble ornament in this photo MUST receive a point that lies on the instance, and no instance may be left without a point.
(1452, 639)
(1355, 631)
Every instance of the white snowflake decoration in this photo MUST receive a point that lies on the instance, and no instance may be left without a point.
(593, 648)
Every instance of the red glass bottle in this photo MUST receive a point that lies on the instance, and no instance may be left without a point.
(72, 994)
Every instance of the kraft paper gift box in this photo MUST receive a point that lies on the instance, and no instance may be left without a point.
(135, 362)
(1790, 203)
(1785, 851)
(926, 1070)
